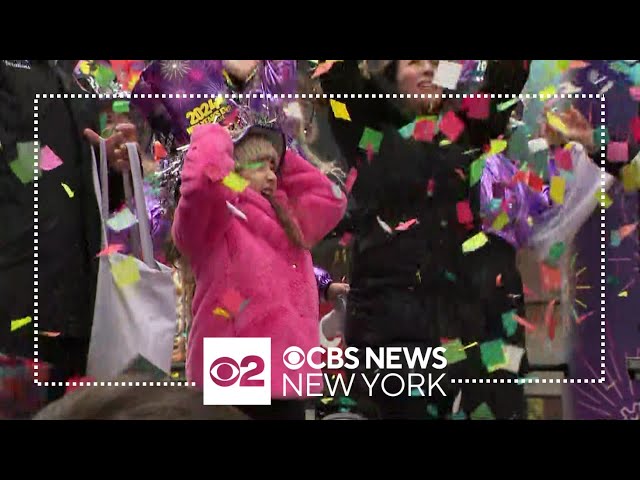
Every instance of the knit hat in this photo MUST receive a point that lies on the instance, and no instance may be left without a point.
(256, 142)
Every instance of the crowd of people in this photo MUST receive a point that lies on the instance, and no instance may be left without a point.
(431, 195)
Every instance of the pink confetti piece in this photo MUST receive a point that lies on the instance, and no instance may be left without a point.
(618, 152)
(451, 126)
(114, 248)
(351, 179)
(477, 108)
(529, 326)
(48, 159)
(404, 226)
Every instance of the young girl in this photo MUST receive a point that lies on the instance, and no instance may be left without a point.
(254, 243)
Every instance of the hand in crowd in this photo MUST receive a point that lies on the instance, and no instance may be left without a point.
(117, 154)
(335, 290)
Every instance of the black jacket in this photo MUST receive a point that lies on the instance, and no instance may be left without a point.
(68, 228)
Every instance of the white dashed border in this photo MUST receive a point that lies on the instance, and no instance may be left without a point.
(315, 96)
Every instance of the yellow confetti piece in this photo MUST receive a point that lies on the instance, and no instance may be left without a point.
(624, 293)
(497, 146)
(547, 92)
(470, 345)
(175, 375)
(125, 272)
(235, 182)
(85, 68)
(445, 142)
(19, 323)
(326, 401)
(556, 123)
(474, 243)
(222, 312)
(68, 190)
(501, 221)
(339, 110)
(557, 189)
(603, 199)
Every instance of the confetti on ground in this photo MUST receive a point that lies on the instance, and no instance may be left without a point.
(48, 159)
(479, 240)
(122, 220)
(19, 323)
(125, 272)
(235, 182)
(339, 110)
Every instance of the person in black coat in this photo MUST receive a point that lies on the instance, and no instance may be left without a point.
(415, 287)
(68, 227)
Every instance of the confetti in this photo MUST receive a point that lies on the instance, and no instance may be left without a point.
(457, 402)
(232, 302)
(603, 199)
(473, 344)
(114, 248)
(324, 67)
(406, 132)
(48, 159)
(555, 252)
(384, 225)
(557, 189)
(537, 145)
(623, 294)
(50, 334)
(508, 104)
(339, 110)
(474, 243)
(492, 355)
(529, 326)
(627, 230)
(635, 128)
(19, 323)
(514, 356)
(221, 312)
(497, 146)
(236, 211)
(476, 169)
(500, 221)
(351, 179)
(23, 166)
(577, 64)
(551, 277)
(345, 240)
(125, 272)
(424, 130)
(547, 92)
(556, 123)
(404, 226)
(482, 412)
(499, 280)
(454, 351)
(120, 106)
(122, 220)
(477, 108)
(235, 182)
(508, 323)
(68, 190)
(451, 126)
(563, 159)
(463, 210)
(159, 152)
(448, 74)
(618, 152)
(371, 138)
(635, 93)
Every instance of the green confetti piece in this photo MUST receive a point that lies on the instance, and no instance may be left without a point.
(597, 135)
(474, 243)
(450, 276)
(616, 239)
(495, 204)
(613, 280)
(406, 132)
(563, 64)
(508, 323)
(501, 221)
(556, 251)
(493, 355)
(122, 220)
(104, 75)
(370, 137)
(23, 166)
(103, 121)
(347, 402)
(508, 104)
(253, 166)
(454, 351)
(459, 415)
(415, 392)
(482, 412)
(120, 106)
(567, 175)
(476, 169)
(432, 411)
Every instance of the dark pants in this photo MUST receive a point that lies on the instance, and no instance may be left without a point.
(278, 410)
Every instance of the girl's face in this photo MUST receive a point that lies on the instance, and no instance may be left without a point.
(416, 77)
(261, 173)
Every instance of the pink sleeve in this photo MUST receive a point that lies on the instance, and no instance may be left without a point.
(317, 204)
(202, 215)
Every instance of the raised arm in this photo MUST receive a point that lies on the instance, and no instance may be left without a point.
(317, 203)
(202, 215)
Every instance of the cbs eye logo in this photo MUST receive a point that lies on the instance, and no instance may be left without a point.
(293, 358)
(225, 371)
